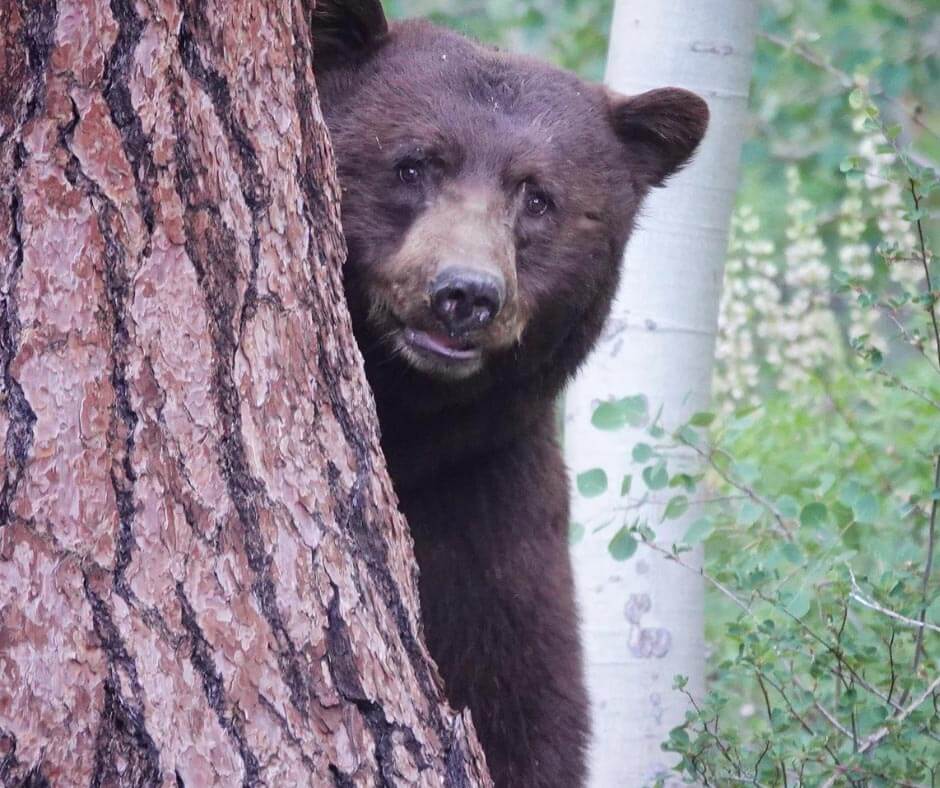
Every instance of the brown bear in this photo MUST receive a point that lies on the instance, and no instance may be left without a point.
(486, 202)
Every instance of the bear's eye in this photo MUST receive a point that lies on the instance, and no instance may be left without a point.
(537, 202)
(409, 172)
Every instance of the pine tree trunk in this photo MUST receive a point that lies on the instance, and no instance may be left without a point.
(643, 619)
(203, 576)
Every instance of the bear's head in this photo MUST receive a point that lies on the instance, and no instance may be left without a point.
(486, 199)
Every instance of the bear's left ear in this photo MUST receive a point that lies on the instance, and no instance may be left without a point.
(346, 30)
(662, 128)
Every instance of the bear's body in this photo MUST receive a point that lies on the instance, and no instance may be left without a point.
(486, 203)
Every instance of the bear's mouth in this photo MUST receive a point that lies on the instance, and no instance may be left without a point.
(441, 346)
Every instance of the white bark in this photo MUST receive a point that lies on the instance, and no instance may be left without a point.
(643, 619)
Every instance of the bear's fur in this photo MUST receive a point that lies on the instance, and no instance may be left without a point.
(526, 182)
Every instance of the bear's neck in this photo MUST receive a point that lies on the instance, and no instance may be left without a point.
(420, 445)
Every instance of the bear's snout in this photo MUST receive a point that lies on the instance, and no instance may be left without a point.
(467, 299)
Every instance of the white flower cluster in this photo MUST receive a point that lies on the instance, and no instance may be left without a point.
(886, 199)
(855, 257)
(806, 324)
(751, 296)
(779, 319)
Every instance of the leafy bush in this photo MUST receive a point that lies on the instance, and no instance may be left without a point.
(819, 503)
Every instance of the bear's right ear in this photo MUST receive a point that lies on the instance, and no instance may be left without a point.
(661, 128)
(346, 30)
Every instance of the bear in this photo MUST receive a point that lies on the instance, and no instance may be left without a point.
(486, 200)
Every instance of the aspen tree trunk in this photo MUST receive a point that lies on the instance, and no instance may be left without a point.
(642, 619)
(203, 576)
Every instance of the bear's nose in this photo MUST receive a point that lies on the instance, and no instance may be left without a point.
(465, 299)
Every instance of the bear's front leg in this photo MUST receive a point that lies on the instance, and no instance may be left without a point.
(498, 606)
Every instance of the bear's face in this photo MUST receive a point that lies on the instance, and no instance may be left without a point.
(486, 198)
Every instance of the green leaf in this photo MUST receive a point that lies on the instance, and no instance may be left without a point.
(656, 476)
(699, 531)
(702, 419)
(679, 737)
(814, 515)
(866, 508)
(642, 452)
(788, 505)
(623, 545)
(677, 506)
(626, 484)
(849, 164)
(749, 513)
(616, 414)
(747, 472)
(683, 480)
(799, 603)
(592, 483)
(792, 553)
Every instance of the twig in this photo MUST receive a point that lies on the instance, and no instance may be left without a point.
(926, 263)
(836, 652)
(896, 381)
(702, 573)
(845, 80)
(741, 487)
(879, 736)
(932, 528)
(770, 718)
(830, 717)
(892, 314)
(859, 597)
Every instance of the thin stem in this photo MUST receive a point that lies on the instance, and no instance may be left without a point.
(859, 597)
(925, 261)
(709, 457)
(932, 528)
(881, 734)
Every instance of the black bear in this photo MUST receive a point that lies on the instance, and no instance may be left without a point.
(486, 201)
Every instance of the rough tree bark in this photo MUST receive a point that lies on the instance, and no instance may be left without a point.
(203, 576)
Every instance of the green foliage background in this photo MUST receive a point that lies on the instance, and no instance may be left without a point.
(821, 488)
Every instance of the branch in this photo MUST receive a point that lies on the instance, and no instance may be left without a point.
(701, 572)
(881, 734)
(932, 529)
(709, 457)
(859, 597)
